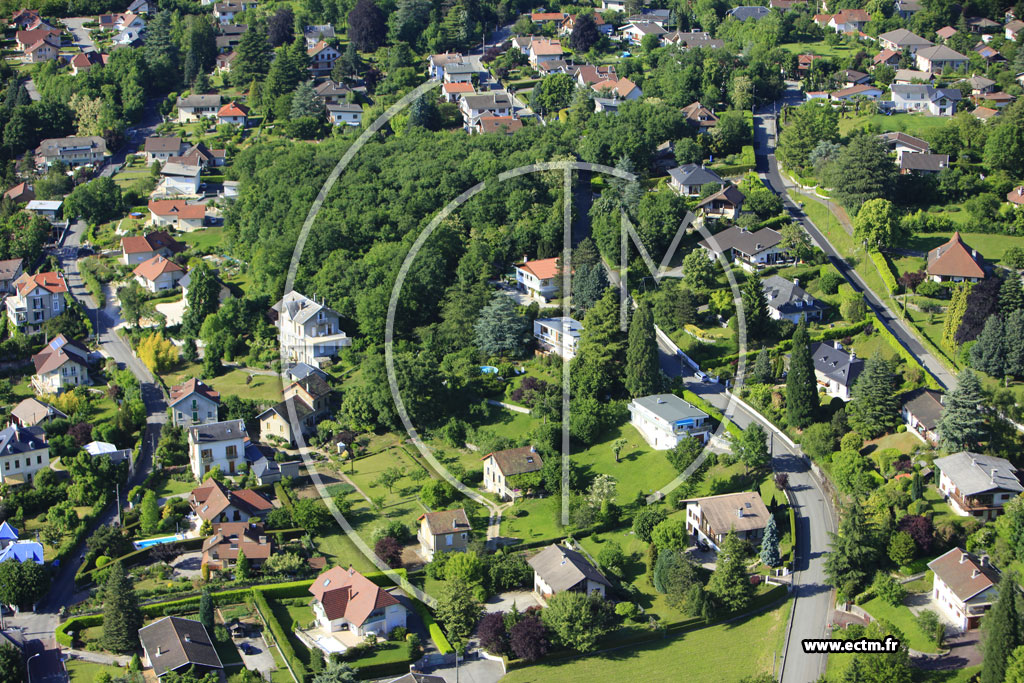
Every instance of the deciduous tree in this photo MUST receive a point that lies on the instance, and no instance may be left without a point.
(366, 26)
(578, 620)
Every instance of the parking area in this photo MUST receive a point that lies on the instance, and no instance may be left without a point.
(502, 602)
(255, 653)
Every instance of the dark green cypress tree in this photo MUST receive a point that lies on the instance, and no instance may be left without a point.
(755, 308)
(1011, 294)
(801, 387)
(1003, 631)
(1014, 330)
(874, 407)
(206, 610)
(643, 374)
(122, 618)
(962, 425)
(916, 489)
(989, 351)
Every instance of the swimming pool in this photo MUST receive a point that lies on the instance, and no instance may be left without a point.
(149, 542)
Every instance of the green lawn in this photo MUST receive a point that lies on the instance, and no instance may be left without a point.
(207, 238)
(641, 468)
(341, 551)
(901, 618)
(386, 652)
(904, 442)
(86, 672)
(751, 645)
(541, 519)
(821, 48)
(172, 487)
(265, 388)
(941, 512)
(227, 652)
(913, 124)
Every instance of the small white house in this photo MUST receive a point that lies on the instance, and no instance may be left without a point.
(500, 465)
(345, 114)
(664, 420)
(559, 335)
(158, 274)
(835, 369)
(217, 444)
(558, 569)
(537, 278)
(964, 586)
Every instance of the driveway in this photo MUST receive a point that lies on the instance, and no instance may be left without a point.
(474, 670)
(173, 311)
(502, 602)
(80, 34)
(188, 565)
(262, 660)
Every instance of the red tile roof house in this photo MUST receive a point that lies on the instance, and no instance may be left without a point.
(344, 599)
(22, 193)
(536, 278)
(84, 61)
(35, 299)
(954, 261)
(233, 113)
(220, 549)
(174, 213)
(135, 250)
(965, 586)
(158, 273)
(211, 502)
(43, 50)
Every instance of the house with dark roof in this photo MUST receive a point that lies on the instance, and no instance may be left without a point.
(787, 300)
(965, 586)
(689, 179)
(34, 299)
(23, 452)
(264, 466)
(193, 402)
(712, 518)
(665, 420)
(444, 531)
(73, 151)
(344, 599)
(835, 369)
(216, 444)
(694, 38)
(921, 410)
(559, 335)
(500, 465)
(902, 143)
(901, 39)
(954, 261)
(62, 364)
(195, 107)
(558, 569)
(212, 502)
(922, 164)
(175, 643)
(752, 250)
(162, 148)
(10, 271)
(307, 399)
(310, 330)
(940, 59)
(754, 12)
(977, 485)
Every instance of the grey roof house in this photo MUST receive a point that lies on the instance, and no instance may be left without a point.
(557, 569)
(755, 249)
(689, 179)
(787, 300)
(921, 410)
(977, 485)
(835, 368)
(664, 420)
(749, 12)
(174, 643)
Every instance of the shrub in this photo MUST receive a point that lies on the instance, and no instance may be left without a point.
(887, 588)
(885, 271)
(626, 610)
(927, 620)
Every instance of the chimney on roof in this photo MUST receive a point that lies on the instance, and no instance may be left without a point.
(351, 571)
(796, 281)
(263, 540)
(455, 524)
(533, 449)
(739, 512)
(974, 462)
(188, 638)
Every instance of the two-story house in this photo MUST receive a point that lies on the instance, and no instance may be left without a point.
(43, 50)
(700, 117)
(444, 531)
(310, 331)
(344, 599)
(212, 502)
(500, 465)
(307, 398)
(62, 364)
(221, 548)
(179, 179)
(216, 444)
(158, 274)
(940, 59)
(712, 518)
(36, 299)
(32, 412)
(901, 39)
(23, 452)
(193, 402)
(559, 335)
(787, 300)
(537, 278)
(138, 249)
(321, 59)
(437, 64)
(73, 151)
(233, 113)
(964, 586)
(558, 569)
(690, 179)
(977, 485)
(345, 114)
(162, 148)
(543, 50)
(473, 107)
(194, 107)
(664, 420)
(177, 214)
(10, 271)
(835, 369)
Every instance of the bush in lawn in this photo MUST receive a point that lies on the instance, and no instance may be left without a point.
(927, 621)
(392, 528)
(888, 589)
(829, 279)
(626, 610)
(645, 520)
(492, 633)
(389, 550)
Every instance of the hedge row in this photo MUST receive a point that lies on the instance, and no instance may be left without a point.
(929, 380)
(712, 411)
(436, 635)
(76, 625)
(283, 644)
(84, 578)
(792, 532)
(885, 270)
(369, 672)
(282, 495)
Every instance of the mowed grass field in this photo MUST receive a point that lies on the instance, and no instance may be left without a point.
(990, 246)
(724, 653)
(913, 124)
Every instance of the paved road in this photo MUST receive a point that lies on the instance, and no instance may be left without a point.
(62, 591)
(80, 34)
(768, 169)
(135, 136)
(812, 604)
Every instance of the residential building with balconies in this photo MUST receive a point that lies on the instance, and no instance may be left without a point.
(977, 485)
(36, 299)
(664, 420)
(216, 444)
(559, 335)
(193, 403)
(310, 331)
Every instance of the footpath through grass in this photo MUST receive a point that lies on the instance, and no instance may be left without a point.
(750, 645)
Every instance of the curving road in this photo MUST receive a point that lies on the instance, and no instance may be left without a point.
(768, 169)
(812, 596)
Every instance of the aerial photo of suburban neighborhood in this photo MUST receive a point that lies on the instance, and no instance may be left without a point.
(466, 341)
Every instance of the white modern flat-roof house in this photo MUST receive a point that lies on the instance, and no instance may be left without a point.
(665, 419)
(559, 335)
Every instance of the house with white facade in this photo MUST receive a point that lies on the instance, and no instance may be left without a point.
(345, 600)
(665, 420)
(178, 179)
(310, 331)
(216, 444)
(212, 502)
(912, 97)
(162, 148)
(543, 50)
(158, 274)
(321, 59)
(787, 300)
(955, 261)
(835, 369)
(138, 248)
(752, 250)
(73, 151)
(940, 59)
(193, 402)
(234, 114)
(901, 39)
(62, 364)
(500, 465)
(558, 569)
(473, 107)
(345, 114)
(711, 519)
(177, 214)
(689, 179)
(977, 485)
(559, 335)
(537, 278)
(23, 452)
(964, 586)
(35, 299)
(194, 107)
(921, 410)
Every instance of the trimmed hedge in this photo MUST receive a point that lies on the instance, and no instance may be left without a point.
(885, 270)
(283, 644)
(792, 532)
(712, 411)
(282, 495)
(384, 669)
(76, 625)
(929, 380)
(436, 635)
(84, 578)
